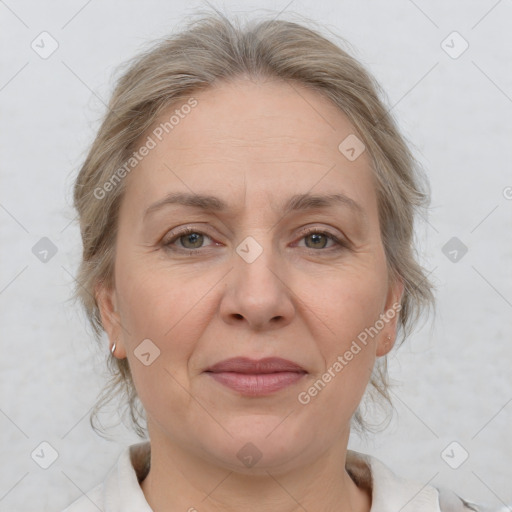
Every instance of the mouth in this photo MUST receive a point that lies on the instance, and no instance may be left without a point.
(252, 377)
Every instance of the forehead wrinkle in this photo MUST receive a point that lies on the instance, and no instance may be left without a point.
(248, 142)
(297, 202)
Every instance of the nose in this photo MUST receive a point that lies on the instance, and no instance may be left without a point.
(257, 291)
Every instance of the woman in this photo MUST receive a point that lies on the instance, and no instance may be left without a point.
(247, 212)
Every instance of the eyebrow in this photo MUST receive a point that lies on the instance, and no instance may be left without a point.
(298, 202)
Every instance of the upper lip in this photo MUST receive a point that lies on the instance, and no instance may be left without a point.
(253, 366)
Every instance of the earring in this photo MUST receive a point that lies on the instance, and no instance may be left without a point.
(113, 349)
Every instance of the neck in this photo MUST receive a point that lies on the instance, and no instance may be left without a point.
(179, 479)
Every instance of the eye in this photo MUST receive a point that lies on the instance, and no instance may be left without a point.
(189, 239)
(315, 239)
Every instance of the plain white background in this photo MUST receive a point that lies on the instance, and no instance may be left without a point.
(453, 379)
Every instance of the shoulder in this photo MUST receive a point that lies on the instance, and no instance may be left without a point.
(88, 502)
(451, 502)
(120, 489)
(391, 492)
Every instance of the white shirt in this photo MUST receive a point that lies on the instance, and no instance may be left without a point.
(121, 491)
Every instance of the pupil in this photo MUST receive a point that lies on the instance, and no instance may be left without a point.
(316, 237)
(193, 237)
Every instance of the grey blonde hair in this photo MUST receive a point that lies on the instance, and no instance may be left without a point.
(213, 50)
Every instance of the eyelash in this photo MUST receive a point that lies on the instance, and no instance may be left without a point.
(340, 244)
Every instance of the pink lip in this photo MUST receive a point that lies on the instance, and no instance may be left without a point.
(247, 365)
(256, 377)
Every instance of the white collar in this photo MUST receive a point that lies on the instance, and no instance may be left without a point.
(121, 491)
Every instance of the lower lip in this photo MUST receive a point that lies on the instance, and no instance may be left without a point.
(257, 384)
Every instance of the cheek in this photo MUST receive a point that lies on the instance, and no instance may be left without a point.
(168, 312)
(155, 297)
(350, 307)
(172, 309)
(346, 307)
(347, 301)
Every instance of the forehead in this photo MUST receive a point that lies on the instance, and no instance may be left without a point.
(262, 137)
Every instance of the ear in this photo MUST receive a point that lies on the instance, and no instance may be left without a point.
(110, 318)
(389, 316)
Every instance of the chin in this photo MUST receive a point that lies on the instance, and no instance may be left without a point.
(259, 445)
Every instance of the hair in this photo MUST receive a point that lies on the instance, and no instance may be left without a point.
(213, 50)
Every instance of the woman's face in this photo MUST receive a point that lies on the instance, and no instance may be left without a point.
(249, 280)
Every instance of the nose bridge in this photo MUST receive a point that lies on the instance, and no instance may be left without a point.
(256, 290)
(256, 260)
